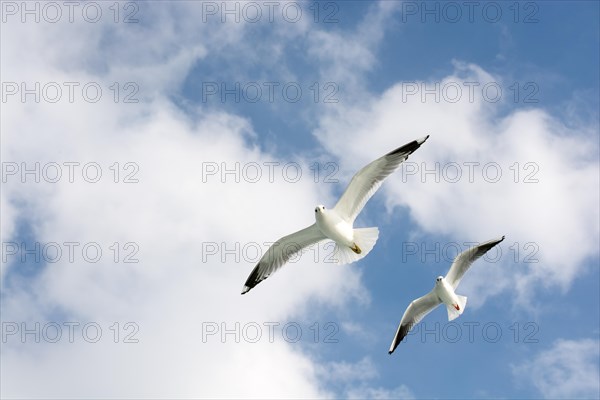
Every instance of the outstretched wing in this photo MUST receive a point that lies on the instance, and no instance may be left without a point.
(463, 261)
(365, 182)
(280, 252)
(416, 311)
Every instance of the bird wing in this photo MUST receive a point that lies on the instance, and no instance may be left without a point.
(416, 311)
(463, 261)
(366, 181)
(280, 252)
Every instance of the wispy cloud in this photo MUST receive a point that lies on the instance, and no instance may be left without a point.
(567, 370)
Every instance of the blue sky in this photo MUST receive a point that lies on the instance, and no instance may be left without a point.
(177, 234)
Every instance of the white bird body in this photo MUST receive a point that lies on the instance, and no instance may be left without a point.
(334, 227)
(445, 292)
(337, 223)
(455, 304)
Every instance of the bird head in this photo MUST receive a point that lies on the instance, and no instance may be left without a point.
(438, 280)
(319, 209)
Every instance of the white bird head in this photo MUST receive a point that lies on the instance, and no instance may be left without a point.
(438, 280)
(319, 209)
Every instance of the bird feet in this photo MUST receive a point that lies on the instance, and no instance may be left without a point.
(356, 249)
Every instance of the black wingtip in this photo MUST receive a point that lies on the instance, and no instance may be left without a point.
(390, 352)
(409, 147)
(246, 288)
(252, 280)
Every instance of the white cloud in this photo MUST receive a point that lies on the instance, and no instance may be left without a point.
(343, 371)
(169, 214)
(175, 289)
(343, 57)
(354, 380)
(379, 393)
(568, 370)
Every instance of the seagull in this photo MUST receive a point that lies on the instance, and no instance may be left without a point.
(337, 223)
(442, 292)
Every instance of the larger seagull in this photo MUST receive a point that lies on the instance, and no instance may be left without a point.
(442, 292)
(337, 223)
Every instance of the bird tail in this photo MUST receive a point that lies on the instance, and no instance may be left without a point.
(453, 313)
(364, 239)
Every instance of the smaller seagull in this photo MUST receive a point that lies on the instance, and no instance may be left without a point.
(442, 292)
(337, 223)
